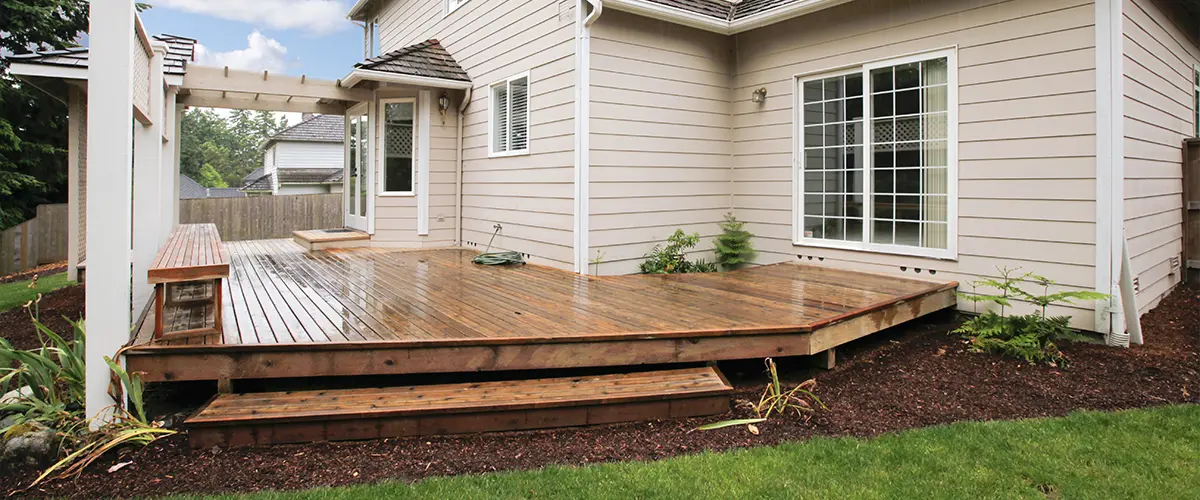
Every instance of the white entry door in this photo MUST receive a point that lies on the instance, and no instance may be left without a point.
(358, 183)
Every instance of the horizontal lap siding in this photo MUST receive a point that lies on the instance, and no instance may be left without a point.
(290, 154)
(1026, 129)
(661, 138)
(1159, 113)
(530, 196)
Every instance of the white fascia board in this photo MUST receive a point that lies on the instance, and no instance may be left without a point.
(360, 75)
(707, 23)
(48, 71)
(173, 80)
(357, 9)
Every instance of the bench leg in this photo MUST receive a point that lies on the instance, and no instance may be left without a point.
(218, 303)
(160, 292)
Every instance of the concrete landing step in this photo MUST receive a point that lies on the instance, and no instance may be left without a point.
(352, 414)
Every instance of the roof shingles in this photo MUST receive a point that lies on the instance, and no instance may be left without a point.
(180, 52)
(320, 128)
(428, 59)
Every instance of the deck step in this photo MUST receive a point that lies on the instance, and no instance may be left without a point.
(326, 239)
(352, 414)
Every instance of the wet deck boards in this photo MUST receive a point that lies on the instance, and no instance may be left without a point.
(370, 310)
(301, 416)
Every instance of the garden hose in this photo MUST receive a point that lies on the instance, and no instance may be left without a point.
(498, 258)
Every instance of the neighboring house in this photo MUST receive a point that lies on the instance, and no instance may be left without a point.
(1044, 134)
(306, 158)
(191, 190)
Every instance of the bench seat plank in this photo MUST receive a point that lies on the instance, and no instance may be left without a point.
(192, 253)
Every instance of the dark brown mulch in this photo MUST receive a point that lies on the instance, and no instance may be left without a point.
(43, 270)
(912, 376)
(17, 327)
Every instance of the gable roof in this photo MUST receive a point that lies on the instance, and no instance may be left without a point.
(320, 128)
(426, 59)
(291, 176)
(189, 189)
(180, 52)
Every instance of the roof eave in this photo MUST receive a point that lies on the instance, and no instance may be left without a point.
(707, 23)
(357, 10)
(48, 70)
(359, 75)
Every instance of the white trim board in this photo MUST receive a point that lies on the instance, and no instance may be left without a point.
(1110, 158)
(708, 23)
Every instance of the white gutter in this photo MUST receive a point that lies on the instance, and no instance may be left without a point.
(583, 118)
(458, 181)
(722, 26)
(357, 9)
(359, 75)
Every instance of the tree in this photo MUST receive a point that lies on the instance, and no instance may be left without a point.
(732, 246)
(231, 147)
(33, 144)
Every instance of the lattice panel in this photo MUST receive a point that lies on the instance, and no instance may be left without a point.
(399, 141)
(141, 77)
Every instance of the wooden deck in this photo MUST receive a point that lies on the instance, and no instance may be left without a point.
(291, 313)
(302, 416)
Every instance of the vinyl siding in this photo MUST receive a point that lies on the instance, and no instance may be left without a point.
(289, 154)
(661, 137)
(1026, 130)
(532, 195)
(396, 215)
(1160, 54)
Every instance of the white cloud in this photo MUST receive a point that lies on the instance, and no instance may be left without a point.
(317, 16)
(261, 53)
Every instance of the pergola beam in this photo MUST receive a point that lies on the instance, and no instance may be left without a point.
(252, 82)
(262, 105)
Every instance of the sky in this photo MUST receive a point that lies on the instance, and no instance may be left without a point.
(297, 37)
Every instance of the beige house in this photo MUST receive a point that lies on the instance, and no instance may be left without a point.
(1044, 134)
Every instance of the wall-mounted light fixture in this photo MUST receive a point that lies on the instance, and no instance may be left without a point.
(443, 105)
(759, 96)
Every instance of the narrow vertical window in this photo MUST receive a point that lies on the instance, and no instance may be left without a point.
(510, 116)
(398, 147)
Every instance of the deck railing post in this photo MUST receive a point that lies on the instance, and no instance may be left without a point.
(109, 193)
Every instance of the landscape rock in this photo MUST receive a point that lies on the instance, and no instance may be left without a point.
(15, 395)
(37, 448)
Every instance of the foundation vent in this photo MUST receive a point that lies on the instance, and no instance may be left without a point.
(1176, 263)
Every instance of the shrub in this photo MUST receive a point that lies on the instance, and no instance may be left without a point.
(55, 376)
(1031, 337)
(733, 246)
(672, 258)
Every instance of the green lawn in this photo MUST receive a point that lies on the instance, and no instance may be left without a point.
(17, 293)
(1151, 453)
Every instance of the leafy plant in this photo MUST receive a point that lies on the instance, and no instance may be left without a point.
(55, 375)
(733, 246)
(1031, 337)
(672, 258)
(776, 400)
(597, 261)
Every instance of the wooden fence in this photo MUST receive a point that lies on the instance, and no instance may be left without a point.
(263, 217)
(37, 241)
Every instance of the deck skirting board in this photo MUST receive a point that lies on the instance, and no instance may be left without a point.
(183, 363)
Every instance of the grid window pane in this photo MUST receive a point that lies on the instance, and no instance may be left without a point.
(833, 129)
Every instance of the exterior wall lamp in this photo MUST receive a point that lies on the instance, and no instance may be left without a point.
(759, 96)
(443, 105)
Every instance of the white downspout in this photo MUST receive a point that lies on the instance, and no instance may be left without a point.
(458, 181)
(1133, 324)
(583, 115)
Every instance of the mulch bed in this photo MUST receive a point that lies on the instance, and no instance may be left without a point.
(912, 376)
(44, 270)
(17, 327)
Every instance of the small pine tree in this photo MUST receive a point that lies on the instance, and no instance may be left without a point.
(733, 247)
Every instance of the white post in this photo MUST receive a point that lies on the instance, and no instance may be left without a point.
(169, 169)
(175, 168)
(74, 119)
(109, 183)
(425, 116)
(147, 185)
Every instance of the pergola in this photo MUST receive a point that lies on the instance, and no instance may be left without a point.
(126, 155)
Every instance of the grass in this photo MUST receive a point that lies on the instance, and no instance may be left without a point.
(17, 293)
(1152, 453)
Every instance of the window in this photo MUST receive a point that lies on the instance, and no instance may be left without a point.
(509, 128)
(453, 5)
(398, 147)
(877, 157)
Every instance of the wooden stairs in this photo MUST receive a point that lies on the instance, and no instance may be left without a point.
(352, 414)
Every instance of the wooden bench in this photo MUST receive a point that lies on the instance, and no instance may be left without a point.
(187, 275)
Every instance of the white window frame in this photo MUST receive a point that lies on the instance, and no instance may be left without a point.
(453, 5)
(381, 165)
(492, 153)
(798, 158)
